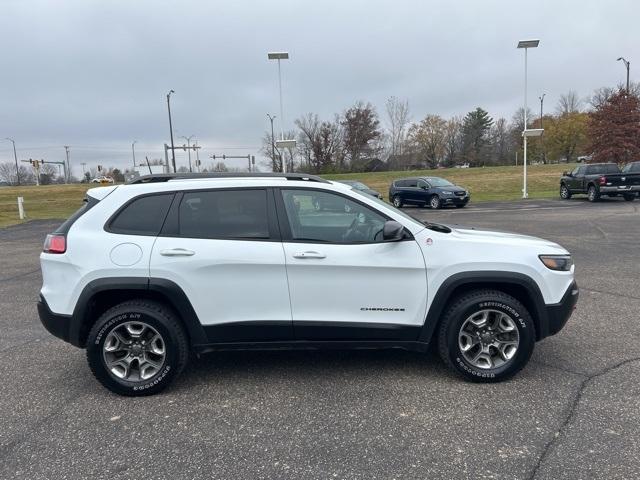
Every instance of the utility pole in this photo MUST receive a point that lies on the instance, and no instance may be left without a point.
(133, 152)
(197, 155)
(15, 156)
(173, 152)
(626, 64)
(66, 148)
(273, 141)
(84, 164)
(188, 139)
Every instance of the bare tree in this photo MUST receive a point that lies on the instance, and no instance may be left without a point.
(428, 139)
(398, 119)
(452, 141)
(8, 174)
(569, 103)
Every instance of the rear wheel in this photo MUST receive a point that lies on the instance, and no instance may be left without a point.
(397, 201)
(137, 348)
(593, 194)
(565, 193)
(629, 197)
(486, 336)
(434, 202)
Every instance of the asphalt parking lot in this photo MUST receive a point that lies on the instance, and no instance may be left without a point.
(574, 412)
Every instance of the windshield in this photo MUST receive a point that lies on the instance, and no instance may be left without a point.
(395, 210)
(357, 185)
(438, 182)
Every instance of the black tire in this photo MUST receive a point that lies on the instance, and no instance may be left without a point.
(397, 201)
(163, 321)
(593, 194)
(629, 197)
(462, 309)
(565, 193)
(434, 202)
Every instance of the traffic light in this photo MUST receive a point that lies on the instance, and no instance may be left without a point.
(99, 168)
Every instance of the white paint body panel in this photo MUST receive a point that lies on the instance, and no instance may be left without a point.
(351, 277)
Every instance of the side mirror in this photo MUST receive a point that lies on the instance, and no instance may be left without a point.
(392, 231)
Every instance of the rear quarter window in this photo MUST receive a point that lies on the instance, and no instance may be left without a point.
(141, 216)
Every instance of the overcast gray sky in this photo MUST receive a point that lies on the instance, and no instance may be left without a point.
(94, 75)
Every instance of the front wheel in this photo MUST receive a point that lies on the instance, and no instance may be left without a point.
(397, 201)
(565, 193)
(434, 202)
(593, 194)
(137, 348)
(629, 197)
(486, 336)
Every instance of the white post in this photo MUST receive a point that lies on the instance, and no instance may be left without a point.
(524, 161)
(21, 207)
(284, 160)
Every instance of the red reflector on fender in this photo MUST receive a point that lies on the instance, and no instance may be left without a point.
(55, 244)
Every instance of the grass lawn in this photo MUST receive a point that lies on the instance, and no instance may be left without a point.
(491, 183)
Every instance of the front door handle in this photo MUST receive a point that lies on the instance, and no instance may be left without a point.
(177, 252)
(309, 254)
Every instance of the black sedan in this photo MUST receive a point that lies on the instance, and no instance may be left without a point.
(435, 192)
(362, 188)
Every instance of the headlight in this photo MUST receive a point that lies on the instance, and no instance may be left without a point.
(447, 192)
(561, 263)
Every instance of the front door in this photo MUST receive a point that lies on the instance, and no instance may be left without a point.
(222, 248)
(345, 282)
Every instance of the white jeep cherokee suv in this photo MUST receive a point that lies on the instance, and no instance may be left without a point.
(145, 273)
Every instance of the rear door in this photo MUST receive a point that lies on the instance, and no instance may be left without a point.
(222, 247)
(345, 283)
(413, 193)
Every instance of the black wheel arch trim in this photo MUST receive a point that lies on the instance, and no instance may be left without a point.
(486, 279)
(169, 291)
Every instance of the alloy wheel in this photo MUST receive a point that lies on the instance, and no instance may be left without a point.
(488, 339)
(134, 351)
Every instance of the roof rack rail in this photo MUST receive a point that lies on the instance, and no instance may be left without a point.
(165, 177)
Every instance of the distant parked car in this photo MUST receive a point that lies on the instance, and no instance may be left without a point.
(633, 167)
(361, 187)
(102, 180)
(435, 192)
(597, 179)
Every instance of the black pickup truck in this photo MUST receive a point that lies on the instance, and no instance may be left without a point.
(599, 179)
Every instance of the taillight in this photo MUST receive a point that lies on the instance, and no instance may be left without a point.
(603, 180)
(55, 243)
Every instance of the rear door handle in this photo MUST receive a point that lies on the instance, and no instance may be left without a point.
(177, 252)
(309, 254)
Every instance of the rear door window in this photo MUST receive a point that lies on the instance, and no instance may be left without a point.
(221, 214)
(142, 216)
(413, 183)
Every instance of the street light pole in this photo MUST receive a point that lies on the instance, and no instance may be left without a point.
(133, 153)
(173, 151)
(544, 155)
(188, 139)
(280, 56)
(626, 64)
(273, 141)
(15, 157)
(526, 44)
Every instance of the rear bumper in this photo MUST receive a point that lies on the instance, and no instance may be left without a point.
(56, 324)
(620, 189)
(558, 314)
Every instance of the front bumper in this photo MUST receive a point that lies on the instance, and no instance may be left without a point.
(56, 324)
(454, 200)
(558, 314)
